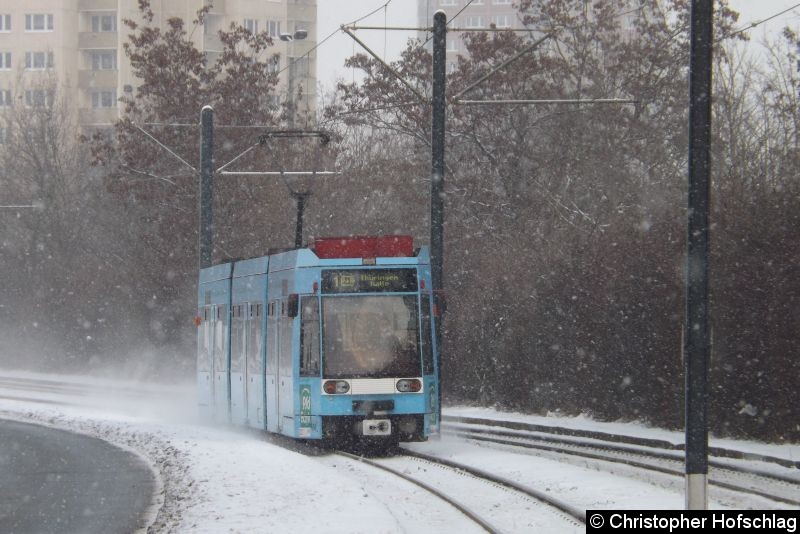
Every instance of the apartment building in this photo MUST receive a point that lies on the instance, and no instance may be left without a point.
(476, 14)
(79, 44)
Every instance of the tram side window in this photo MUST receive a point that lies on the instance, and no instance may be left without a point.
(237, 338)
(220, 332)
(286, 325)
(256, 338)
(204, 342)
(309, 337)
(426, 334)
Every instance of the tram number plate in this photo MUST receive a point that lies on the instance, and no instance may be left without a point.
(377, 427)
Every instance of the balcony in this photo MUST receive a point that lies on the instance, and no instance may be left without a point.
(89, 79)
(87, 116)
(97, 40)
(97, 5)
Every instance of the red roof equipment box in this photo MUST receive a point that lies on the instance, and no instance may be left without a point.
(383, 246)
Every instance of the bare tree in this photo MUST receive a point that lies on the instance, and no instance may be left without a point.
(55, 260)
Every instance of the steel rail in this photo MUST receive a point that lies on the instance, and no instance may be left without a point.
(612, 447)
(518, 442)
(573, 512)
(488, 527)
(615, 438)
(69, 388)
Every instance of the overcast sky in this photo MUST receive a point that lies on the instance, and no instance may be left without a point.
(332, 13)
(758, 10)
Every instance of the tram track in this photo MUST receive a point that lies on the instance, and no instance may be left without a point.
(767, 477)
(427, 487)
(747, 481)
(563, 510)
(665, 455)
(76, 389)
(614, 439)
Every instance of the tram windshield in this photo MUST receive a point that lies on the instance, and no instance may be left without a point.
(370, 336)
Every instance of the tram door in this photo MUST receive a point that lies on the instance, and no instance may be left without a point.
(221, 385)
(253, 372)
(273, 342)
(238, 352)
(205, 384)
(429, 364)
(286, 396)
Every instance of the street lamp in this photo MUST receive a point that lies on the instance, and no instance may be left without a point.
(299, 196)
(298, 35)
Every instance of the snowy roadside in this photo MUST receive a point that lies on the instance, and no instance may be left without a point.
(217, 479)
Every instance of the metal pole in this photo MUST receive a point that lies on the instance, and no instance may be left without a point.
(206, 186)
(301, 206)
(290, 89)
(437, 148)
(437, 175)
(696, 334)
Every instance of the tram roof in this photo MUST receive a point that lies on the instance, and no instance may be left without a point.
(300, 258)
(221, 271)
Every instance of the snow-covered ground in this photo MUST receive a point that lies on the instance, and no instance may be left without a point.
(232, 480)
(788, 452)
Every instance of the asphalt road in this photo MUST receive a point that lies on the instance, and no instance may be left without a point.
(57, 481)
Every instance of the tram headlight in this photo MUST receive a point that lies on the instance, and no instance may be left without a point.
(409, 385)
(336, 387)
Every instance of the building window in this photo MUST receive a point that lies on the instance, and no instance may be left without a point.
(251, 25)
(501, 21)
(104, 60)
(38, 22)
(452, 45)
(274, 64)
(5, 98)
(3, 136)
(447, 2)
(5, 60)
(104, 23)
(104, 99)
(474, 21)
(501, 2)
(38, 60)
(477, 3)
(298, 67)
(451, 67)
(5, 23)
(37, 98)
(274, 28)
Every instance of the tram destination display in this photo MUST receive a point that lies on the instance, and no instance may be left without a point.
(369, 281)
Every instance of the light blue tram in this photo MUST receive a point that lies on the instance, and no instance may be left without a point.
(332, 342)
